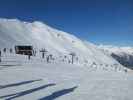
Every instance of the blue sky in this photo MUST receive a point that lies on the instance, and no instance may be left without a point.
(99, 21)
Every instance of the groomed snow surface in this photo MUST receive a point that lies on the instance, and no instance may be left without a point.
(94, 75)
(21, 79)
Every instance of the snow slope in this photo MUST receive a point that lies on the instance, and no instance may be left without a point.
(122, 54)
(62, 82)
(101, 78)
(15, 32)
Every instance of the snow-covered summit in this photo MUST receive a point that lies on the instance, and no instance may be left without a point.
(15, 32)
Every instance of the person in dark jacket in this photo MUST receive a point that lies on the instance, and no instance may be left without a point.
(29, 56)
(0, 55)
(11, 50)
(4, 50)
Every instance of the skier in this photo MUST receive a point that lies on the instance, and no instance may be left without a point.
(4, 50)
(35, 52)
(125, 70)
(10, 50)
(42, 54)
(48, 58)
(29, 56)
(0, 55)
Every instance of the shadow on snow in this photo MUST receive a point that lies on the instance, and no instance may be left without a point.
(4, 66)
(59, 93)
(16, 95)
(18, 84)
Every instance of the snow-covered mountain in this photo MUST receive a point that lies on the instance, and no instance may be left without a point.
(124, 55)
(15, 32)
(95, 74)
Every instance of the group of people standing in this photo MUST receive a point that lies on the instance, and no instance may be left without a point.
(44, 54)
(4, 51)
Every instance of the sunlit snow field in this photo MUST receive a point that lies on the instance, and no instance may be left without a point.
(94, 74)
(29, 80)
